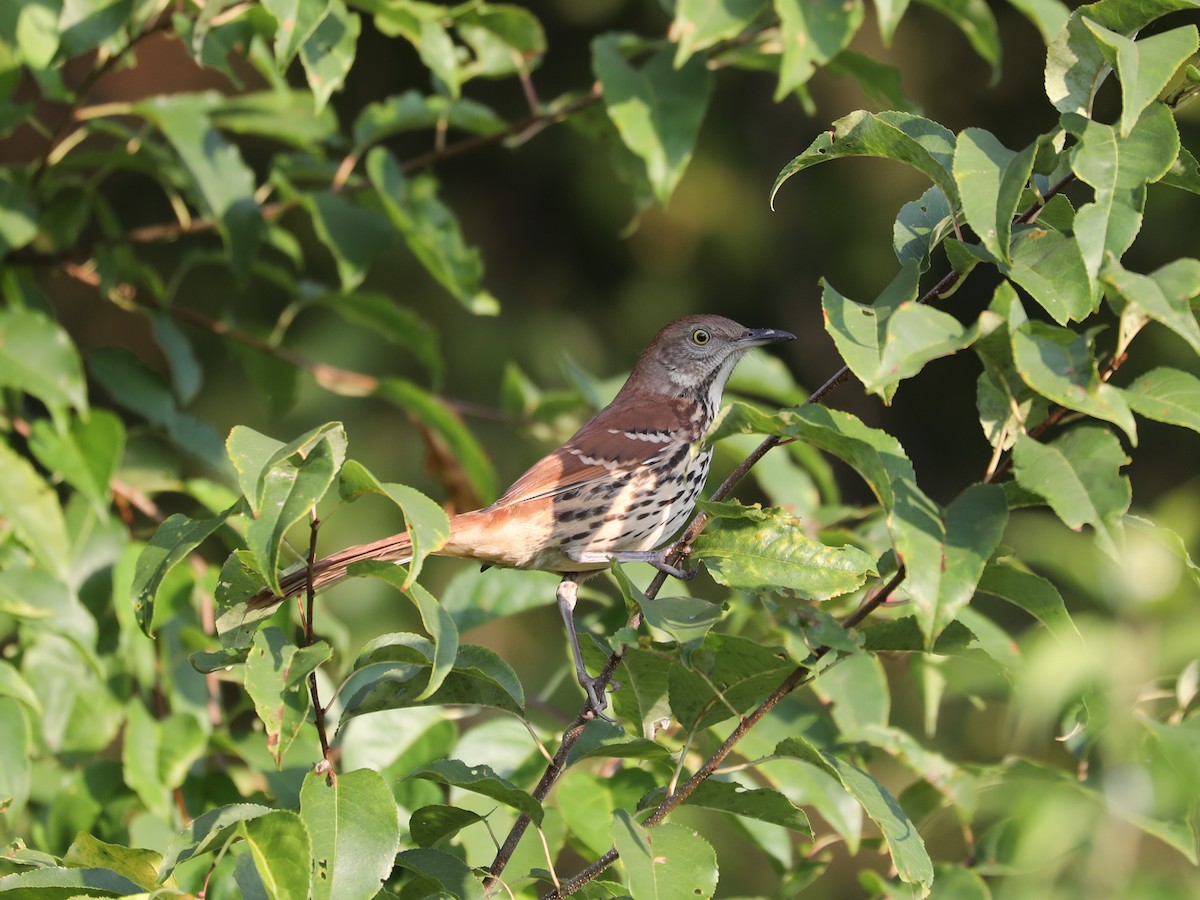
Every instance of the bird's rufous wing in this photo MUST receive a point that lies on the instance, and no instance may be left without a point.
(605, 447)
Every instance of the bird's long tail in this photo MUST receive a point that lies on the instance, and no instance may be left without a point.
(332, 569)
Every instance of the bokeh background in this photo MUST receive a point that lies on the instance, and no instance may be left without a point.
(578, 277)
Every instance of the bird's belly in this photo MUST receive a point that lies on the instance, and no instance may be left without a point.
(639, 514)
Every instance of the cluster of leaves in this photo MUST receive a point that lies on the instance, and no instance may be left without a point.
(164, 737)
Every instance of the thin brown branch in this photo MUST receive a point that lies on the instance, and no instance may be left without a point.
(307, 641)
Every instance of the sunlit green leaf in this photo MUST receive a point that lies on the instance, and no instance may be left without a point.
(991, 179)
(657, 108)
(1079, 475)
(1163, 295)
(282, 852)
(355, 832)
(31, 510)
(276, 678)
(1144, 67)
(37, 356)
(297, 20)
(1166, 395)
(755, 549)
(700, 24)
(1119, 169)
(328, 51)
(1059, 365)
(813, 32)
(480, 780)
(427, 524)
(920, 226)
(669, 862)
(924, 145)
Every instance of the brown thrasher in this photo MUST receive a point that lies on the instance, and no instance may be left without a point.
(617, 490)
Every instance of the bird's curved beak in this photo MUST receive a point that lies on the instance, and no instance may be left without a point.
(756, 337)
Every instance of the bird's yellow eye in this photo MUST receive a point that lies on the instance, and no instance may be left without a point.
(700, 337)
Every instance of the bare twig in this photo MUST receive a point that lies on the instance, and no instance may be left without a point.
(310, 595)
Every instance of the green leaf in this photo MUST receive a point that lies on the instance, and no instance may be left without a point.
(276, 679)
(423, 26)
(991, 179)
(1143, 67)
(355, 235)
(224, 184)
(16, 756)
(920, 227)
(411, 111)
(295, 478)
(506, 39)
(1079, 474)
(430, 824)
(1166, 395)
(920, 143)
(394, 670)
(480, 780)
(282, 852)
(135, 387)
(1009, 580)
(669, 862)
(1184, 172)
(1118, 168)
(945, 552)
(756, 549)
(857, 691)
(296, 20)
(436, 620)
(431, 231)
(440, 874)
(1051, 267)
(1163, 295)
(1058, 364)
(700, 24)
(54, 882)
(427, 524)
(446, 430)
(894, 338)
(328, 52)
(139, 866)
(172, 542)
(812, 33)
(355, 832)
(208, 831)
(475, 598)
(603, 740)
(728, 675)
(37, 357)
(383, 317)
(657, 109)
(1076, 63)
(975, 20)
(763, 804)
(86, 24)
(1050, 17)
(18, 214)
(85, 454)
(30, 508)
(903, 840)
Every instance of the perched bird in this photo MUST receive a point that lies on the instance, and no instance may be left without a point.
(619, 489)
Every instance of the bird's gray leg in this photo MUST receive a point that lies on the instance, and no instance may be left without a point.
(567, 595)
(656, 558)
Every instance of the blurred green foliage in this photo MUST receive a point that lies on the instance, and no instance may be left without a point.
(264, 263)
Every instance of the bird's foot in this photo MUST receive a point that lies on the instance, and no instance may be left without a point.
(597, 700)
